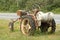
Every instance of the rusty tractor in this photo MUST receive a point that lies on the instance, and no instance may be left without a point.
(30, 22)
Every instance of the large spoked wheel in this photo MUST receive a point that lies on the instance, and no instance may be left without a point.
(27, 25)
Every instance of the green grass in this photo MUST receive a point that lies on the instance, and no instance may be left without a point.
(6, 34)
(56, 11)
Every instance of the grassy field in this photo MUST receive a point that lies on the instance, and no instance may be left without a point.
(6, 34)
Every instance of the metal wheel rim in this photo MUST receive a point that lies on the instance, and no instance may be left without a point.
(25, 28)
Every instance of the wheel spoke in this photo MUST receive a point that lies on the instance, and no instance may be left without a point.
(25, 27)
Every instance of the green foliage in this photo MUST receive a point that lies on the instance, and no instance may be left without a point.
(56, 11)
(14, 5)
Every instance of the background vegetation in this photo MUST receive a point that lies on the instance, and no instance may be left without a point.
(44, 5)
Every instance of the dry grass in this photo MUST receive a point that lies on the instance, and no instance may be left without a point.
(6, 34)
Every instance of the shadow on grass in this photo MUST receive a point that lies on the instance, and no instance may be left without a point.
(39, 33)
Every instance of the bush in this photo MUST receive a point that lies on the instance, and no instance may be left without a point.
(57, 10)
(44, 5)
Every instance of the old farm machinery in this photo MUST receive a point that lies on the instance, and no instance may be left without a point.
(38, 20)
